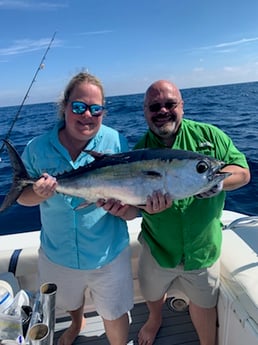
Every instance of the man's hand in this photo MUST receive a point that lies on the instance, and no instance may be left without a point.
(215, 190)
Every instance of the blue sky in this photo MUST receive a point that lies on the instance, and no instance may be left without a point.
(127, 44)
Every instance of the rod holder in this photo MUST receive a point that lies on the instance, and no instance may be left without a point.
(42, 324)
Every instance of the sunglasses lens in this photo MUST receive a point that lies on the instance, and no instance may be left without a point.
(79, 107)
(96, 110)
(170, 105)
(155, 107)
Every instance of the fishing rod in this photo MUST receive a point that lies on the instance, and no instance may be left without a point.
(40, 67)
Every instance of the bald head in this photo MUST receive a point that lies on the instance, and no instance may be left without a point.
(163, 110)
(159, 88)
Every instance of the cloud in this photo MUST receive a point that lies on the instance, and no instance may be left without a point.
(225, 51)
(26, 46)
(198, 69)
(230, 44)
(230, 69)
(101, 32)
(30, 5)
(236, 43)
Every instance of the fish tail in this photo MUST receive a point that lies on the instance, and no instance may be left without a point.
(20, 176)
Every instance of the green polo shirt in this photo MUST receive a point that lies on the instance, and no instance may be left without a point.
(190, 231)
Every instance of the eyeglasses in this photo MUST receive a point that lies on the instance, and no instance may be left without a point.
(155, 107)
(79, 108)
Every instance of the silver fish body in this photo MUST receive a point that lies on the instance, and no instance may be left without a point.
(130, 176)
(181, 174)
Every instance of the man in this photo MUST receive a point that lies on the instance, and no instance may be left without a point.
(181, 244)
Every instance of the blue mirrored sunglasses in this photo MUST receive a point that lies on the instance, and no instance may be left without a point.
(79, 108)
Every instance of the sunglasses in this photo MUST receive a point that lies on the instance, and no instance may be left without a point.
(79, 108)
(155, 107)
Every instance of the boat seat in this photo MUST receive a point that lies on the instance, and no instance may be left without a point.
(25, 268)
(239, 271)
(247, 229)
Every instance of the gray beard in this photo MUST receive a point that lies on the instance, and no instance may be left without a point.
(166, 131)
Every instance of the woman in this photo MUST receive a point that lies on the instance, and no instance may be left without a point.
(87, 247)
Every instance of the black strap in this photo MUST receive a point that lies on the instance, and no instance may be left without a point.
(14, 261)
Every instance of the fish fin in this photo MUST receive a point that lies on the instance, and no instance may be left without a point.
(95, 154)
(19, 178)
(151, 173)
(83, 205)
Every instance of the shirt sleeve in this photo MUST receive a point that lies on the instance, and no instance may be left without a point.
(227, 151)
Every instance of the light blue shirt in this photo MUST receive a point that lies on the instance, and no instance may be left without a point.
(87, 238)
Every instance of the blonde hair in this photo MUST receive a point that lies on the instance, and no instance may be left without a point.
(79, 78)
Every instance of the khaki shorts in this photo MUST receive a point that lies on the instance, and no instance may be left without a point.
(111, 286)
(200, 286)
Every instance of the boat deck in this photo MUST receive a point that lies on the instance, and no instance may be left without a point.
(177, 328)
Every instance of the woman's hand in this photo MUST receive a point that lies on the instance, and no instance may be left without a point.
(41, 190)
(45, 186)
(157, 202)
(116, 208)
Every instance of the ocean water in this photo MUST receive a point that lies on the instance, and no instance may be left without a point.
(233, 108)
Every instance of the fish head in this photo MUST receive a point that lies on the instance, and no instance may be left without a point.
(209, 169)
(191, 173)
(216, 175)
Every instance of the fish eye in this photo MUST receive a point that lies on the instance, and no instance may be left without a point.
(202, 166)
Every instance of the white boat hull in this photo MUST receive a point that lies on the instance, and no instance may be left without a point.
(238, 300)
